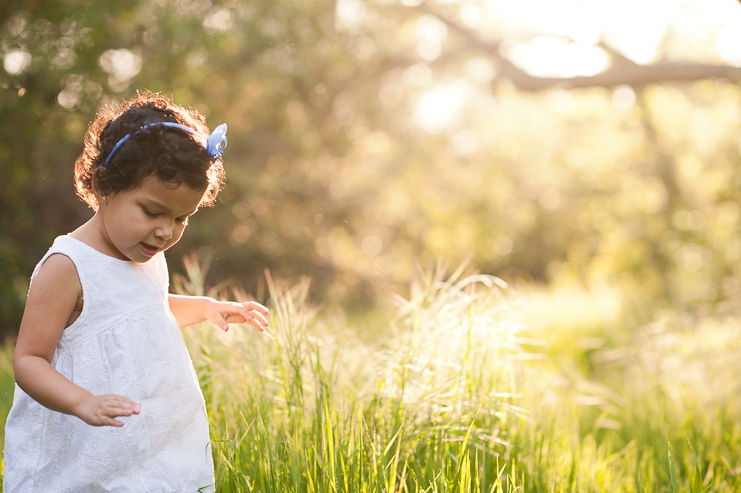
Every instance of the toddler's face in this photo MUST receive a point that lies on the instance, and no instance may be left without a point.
(139, 223)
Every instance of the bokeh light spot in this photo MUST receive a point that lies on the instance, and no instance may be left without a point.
(371, 245)
(16, 61)
(623, 98)
(503, 245)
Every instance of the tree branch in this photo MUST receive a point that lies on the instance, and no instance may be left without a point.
(622, 71)
(630, 74)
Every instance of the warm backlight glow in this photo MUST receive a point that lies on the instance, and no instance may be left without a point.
(438, 106)
(563, 39)
(547, 56)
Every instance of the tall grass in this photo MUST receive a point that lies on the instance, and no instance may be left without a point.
(433, 403)
(453, 395)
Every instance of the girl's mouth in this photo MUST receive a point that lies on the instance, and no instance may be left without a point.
(148, 250)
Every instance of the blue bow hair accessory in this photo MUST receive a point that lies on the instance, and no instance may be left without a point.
(214, 143)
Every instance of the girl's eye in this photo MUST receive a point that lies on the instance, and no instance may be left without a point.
(182, 220)
(150, 213)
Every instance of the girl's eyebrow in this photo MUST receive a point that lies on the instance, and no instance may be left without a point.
(154, 203)
(149, 202)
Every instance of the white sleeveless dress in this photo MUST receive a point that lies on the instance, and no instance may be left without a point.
(127, 342)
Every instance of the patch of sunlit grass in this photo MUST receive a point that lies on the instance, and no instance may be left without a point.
(573, 321)
(307, 406)
(459, 395)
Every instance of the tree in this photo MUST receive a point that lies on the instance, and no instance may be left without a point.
(366, 134)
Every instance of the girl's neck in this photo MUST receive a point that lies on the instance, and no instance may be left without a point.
(92, 233)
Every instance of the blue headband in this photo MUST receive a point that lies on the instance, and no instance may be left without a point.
(214, 144)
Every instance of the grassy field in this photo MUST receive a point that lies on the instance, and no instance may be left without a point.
(468, 387)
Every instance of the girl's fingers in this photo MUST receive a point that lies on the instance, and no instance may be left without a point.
(120, 406)
(248, 314)
(101, 410)
(221, 321)
(260, 318)
(257, 325)
(256, 319)
(244, 312)
(115, 412)
(254, 305)
(250, 318)
(127, 403)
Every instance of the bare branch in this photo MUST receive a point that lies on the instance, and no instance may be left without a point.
(622, 71)
(630, 74)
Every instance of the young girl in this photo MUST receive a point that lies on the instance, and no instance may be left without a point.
(107, 397)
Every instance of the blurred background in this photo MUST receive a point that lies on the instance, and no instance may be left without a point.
(586, 145)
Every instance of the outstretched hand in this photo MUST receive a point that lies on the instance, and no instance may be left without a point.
(223, 313)
(100, 410)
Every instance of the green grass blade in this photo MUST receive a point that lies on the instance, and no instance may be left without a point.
(572, 473)
(672, 472)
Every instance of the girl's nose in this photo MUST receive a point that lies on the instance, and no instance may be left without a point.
(164, 231)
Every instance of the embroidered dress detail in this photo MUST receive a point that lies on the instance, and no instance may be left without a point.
(127, 342)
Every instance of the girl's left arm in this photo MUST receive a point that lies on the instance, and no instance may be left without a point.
(189, 310)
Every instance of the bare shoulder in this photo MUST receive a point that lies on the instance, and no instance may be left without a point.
(57, 276)
(52, 302)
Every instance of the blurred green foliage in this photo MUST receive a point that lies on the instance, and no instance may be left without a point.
(336, 170)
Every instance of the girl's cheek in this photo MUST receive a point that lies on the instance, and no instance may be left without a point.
(178, 233)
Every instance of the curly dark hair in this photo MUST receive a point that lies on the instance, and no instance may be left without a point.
(175, 156)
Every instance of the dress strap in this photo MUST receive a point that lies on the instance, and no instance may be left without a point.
(71, 248)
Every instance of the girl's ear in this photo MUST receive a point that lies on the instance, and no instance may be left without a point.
(100, 196)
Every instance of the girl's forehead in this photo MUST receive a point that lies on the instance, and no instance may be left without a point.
(177, 198)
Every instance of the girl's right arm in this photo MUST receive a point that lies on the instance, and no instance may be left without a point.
(54, 293)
